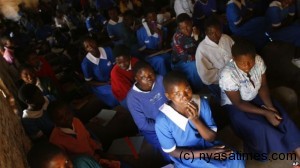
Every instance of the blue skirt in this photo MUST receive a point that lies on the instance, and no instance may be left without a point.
(258, 135)
(104, 93)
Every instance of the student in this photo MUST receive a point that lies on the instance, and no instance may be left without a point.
(280, 16)
(144, 100)
(184, 48)
(185, 125)
(47, 155)
(122, 77)
(151, 36)
(242, 23)
(71, 135)
(35, 118)
(212, 55)
(47, 87)
(96, 68)
(183, 6)
(202, 10)
(115, 27)
(262, 124)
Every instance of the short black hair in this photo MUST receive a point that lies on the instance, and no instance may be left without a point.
(183, 17)
(27, 91)
(149, 9)
(42, 153)
(129, 13)
(140, 65)
(53, 108)
(88, 38)
(121, 50)
(242, 47)
(172, 78)
(26, 66)
(212, 21)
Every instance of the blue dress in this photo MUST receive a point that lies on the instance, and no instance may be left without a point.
(117, 30)
(173, 134)
(275, 15)
(99, 70)
(201, 11)
(160, 63)
(253, 30)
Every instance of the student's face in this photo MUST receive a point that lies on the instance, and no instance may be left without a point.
(113, 14)
(60, 161)
(151, 17)
(28, 76)
(91, 47)
(145, 78)
(186, 28)
(245, 62)
(123, 62)
(214, 33)
(64, 117)
(180, 94)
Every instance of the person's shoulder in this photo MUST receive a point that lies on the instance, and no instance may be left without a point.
(228, 68)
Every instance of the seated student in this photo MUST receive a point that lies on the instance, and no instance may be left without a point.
(212, 55)
(202, 10)
(151, 37)
(144, 100)
(183, 6)
(47, 155)
(47, 87)
(246, 98)
(35, 118)
(280, 16)
(242, 23)
(184, 48)
(185, 125)
(122, 77)
(115, 27)
(96, 68)
(41, 66)
(72, 136)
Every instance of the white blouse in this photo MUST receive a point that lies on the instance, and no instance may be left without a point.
(234, 79)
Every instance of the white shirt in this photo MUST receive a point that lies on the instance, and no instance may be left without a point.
(234, 79)
(212, 57)
(183, 6)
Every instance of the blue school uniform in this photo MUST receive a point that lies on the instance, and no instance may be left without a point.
(175, 131)
(253, 29)
(117, 29)
(203, 10)
(144, 107)
(146, 40)
(275, 15)
(99, 69)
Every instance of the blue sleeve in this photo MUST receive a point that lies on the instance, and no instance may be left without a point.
(140, 33)
(110, 30)
(86, 70)
(274, 16)
(30, 127)
(213, 5)
(206, 115)
(136, 109)
(292, 9)
(164, 134)
(88, 24)
(109, 54)
(233, 14)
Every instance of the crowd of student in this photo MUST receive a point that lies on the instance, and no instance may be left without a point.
(134, 54)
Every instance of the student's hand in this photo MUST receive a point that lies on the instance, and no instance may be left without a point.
(273, 117)
(192, 110)
(220, 151)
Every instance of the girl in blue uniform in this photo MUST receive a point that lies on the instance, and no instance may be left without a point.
(186, 130)
(96, 68)
(262, 124)
(241, 23)
(150, 39)
(280, 16)
(203, 9)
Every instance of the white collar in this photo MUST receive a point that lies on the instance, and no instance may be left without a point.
(94, 59)
(111, 22)
(180, 120)
(37, 113)
(148, 29)
(276, 4)
(211, 43)
(68, 130)
(239, 4)
(135, 88)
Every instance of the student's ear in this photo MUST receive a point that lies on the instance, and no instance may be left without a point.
(167, 96)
